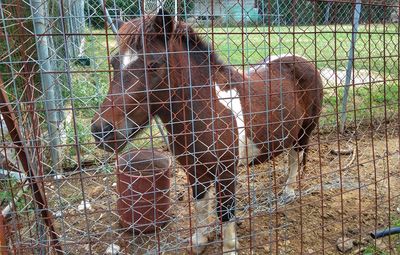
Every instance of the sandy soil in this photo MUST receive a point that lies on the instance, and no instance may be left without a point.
(333, 203)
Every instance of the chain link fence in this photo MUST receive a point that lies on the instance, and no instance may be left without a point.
(59, 190)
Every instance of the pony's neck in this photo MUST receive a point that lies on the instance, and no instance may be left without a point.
(228, 77)
(187, 69)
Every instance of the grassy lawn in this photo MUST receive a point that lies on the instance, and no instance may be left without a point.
(376, 50)
(327, 45)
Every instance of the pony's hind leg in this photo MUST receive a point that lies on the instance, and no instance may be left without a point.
(297, 157)
(226, 203)
(295, 164)
(203, 214)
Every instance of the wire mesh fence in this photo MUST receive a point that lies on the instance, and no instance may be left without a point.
(239, 127)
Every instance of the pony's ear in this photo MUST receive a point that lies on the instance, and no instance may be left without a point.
(118, 23)
(163, 23)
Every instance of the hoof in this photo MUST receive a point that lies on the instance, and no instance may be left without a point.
(230, 240)
(199, 244)
(288, 195)
(230, 247)
(230, 251)
(199, 249)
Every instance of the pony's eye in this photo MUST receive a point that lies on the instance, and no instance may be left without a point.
(153, 66)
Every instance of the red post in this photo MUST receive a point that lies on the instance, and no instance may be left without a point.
(3, 239)
(37, 186)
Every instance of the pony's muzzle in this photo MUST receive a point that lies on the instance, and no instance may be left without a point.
(110, 138)
(106, 137)
(101, 130)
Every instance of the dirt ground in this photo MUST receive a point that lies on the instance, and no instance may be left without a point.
(341, 196)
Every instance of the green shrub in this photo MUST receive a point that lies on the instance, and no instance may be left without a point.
(95, 15)
(129, 9)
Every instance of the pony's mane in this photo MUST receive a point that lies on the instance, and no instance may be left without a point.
(204, 54)
(130, 33)
(200, 50)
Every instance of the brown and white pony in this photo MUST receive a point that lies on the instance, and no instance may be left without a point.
(216, 117)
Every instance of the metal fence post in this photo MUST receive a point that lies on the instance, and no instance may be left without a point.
(350, 63)
(3, 233)
(53, 117)
(327, 12)
(75, 24)
(176, 10)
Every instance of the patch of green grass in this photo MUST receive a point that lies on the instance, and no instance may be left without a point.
(150, 137)
(89, 85)
(373, 250)
(8, 191)
(83, 135)
(6, 194)
(363, 102)
(396, 222)
(75, 198)
(107, 169)
(327, 45)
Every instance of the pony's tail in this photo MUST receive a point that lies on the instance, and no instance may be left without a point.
(309, 89)
(305, 73)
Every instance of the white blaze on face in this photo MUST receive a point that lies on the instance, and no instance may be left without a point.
(230, 99)
(128, 57)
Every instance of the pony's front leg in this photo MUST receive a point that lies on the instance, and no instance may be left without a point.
(231, 243)
(203, 214)
(226, 213)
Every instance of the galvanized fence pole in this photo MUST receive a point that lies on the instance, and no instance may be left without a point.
(350, 63)
(108, 17)
(176, 10)
(73, 26)
(327, 12)
(53, 115)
